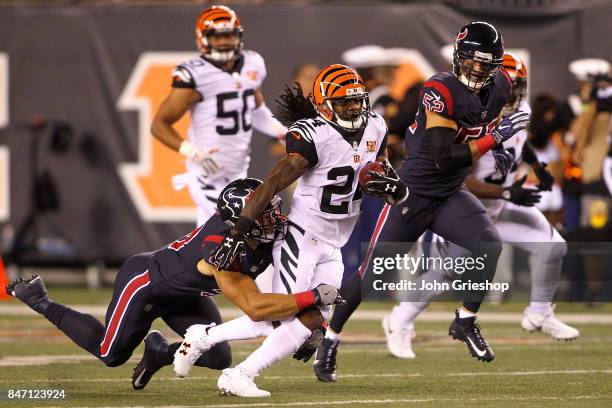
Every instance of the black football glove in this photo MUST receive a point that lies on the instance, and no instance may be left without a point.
(503, 160)
(510, 126)
(326, 295)
(388, 185)
(546, 179)
(520, 195)
(603, 99)
(223, 255)
(310, 346)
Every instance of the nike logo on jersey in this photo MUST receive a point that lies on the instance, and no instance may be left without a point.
(476, 349)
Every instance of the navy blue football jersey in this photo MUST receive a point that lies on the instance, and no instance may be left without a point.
(475, 115)
(174, 274)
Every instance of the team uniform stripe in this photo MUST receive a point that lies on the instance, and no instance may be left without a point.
(130, 290)
(286, 262)
(293, 246)
(440, 87)
(297, 227)
(284, 280)
(382, 218)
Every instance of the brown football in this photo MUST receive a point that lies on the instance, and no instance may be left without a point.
(364, 177)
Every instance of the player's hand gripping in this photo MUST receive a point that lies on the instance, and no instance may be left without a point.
(509, 126)
(520, 195)
(203, 158)
(326, 295)
(388, 185)
(223, 255)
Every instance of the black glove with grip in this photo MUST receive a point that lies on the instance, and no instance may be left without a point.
(517, 194)
(223, 255)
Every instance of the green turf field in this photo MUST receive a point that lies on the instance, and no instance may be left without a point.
(530, 370)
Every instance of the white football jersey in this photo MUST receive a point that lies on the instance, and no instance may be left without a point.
(222, 118)
(327, 200)
(485, 170)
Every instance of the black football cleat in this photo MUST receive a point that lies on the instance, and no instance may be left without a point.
(325, 361)
(155, 345)
(31, 291)
(467, 331)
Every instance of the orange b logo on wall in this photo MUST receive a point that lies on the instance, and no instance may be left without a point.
(148, 180)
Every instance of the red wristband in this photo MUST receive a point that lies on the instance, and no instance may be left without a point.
(304, 299)
(484, 144)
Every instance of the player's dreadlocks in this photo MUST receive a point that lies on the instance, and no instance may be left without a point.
(293, 106)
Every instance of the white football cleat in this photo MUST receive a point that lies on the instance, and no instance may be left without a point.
(193, 346)
(548, 324)
(237, 381)
(399, 338)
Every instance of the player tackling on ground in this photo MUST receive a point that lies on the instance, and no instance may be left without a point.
(221, 89)
(175, 284)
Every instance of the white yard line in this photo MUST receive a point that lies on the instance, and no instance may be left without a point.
(371, 401)
(302, 377)
(427, 316)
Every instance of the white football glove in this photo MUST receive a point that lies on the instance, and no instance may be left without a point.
(203, 158)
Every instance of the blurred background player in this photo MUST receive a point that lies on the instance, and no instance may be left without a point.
(511, 208)
(456, 125)
(331, 137)
(222, 91)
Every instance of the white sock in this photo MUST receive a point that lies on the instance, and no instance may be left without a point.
(332, 335)
(465, 313)
(283, 341)
(540, 307)
(239, 329)
(405, 312)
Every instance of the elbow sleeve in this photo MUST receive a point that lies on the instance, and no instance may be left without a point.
(447, 154)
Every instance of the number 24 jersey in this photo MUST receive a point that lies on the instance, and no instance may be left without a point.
(327, 200)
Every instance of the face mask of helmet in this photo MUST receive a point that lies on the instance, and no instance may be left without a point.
(229, 50)
(349, 112)
(272, 224)
(476, 72)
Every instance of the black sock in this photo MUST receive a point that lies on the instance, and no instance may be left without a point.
(83, 329)
(351, 292)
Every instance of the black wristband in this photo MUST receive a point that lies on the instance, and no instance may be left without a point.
(243, 225)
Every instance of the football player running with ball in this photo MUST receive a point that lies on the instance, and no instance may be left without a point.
(331, 137)
(175, 283)
(221, 89)
(457, 123)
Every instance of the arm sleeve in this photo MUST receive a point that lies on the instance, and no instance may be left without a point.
(182, 78)
(299, 141)
(447, 154)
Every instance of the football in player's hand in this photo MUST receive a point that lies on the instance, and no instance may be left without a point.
(364, 177)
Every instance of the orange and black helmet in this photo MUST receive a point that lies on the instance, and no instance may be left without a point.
(338, 83)
(517, 71)
(218, 20)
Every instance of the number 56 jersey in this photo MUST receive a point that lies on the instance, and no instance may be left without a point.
(327, 200)
(223, 117)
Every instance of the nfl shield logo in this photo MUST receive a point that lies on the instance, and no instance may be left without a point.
(370, 146)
